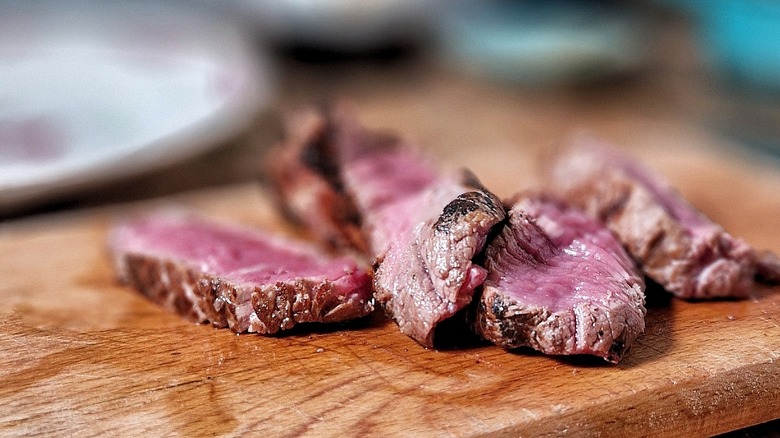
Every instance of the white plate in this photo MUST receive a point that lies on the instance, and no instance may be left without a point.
(97, 90)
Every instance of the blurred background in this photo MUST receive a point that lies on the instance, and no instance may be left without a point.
(109, 101)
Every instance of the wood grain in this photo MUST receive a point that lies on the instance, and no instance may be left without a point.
(83, 355)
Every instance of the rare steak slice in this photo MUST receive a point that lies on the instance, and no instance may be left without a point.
(423, 228)
(427, 272)
(676, 245)
(559, 282)
(244, 279)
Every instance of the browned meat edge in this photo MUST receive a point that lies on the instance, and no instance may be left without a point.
(202, 298)
(432, 279)
(708, 265)
(307, 184)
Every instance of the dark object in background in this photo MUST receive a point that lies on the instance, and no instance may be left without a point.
(338, 28)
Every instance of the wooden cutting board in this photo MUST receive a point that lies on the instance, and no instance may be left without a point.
(84, 355)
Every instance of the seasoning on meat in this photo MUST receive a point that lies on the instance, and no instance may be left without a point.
(559, 282)
(233, 277)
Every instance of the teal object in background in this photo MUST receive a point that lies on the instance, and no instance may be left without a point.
(544, 42)
(740, 43)
(741, 40)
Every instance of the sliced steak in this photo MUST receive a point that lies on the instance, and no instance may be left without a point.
(427, 272)
(676, 245)
(423, 227)
(559, 282)
(308, 182)
(235, 277)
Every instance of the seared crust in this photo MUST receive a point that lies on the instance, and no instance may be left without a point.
(715, 266)
(422, 228)
(458, 212)
(305, 174)
(434, 276)
(606, 329)
(186, 292)
(696, 262)
(264, 309)
(536, 296)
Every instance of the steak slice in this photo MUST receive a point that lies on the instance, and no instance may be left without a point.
(308, 183)
(427, 273)
(676, 245)
(237, 278)
(559, 282)
(422, 227)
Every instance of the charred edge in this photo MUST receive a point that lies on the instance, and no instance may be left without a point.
(616, 351)
(614, 210)
(371, 140)
(514, 328)
(207, 291)
(497, 307)
(229, 294)
(182, 303)
(278, 307)
(318, 155)
(466, 203)
(272, 308)
(469, 179)
(511, 329)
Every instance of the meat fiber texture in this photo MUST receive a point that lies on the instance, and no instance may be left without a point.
(422, 227)
(427, 273)
(239, 278)
(675, 245)
(559, 282)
